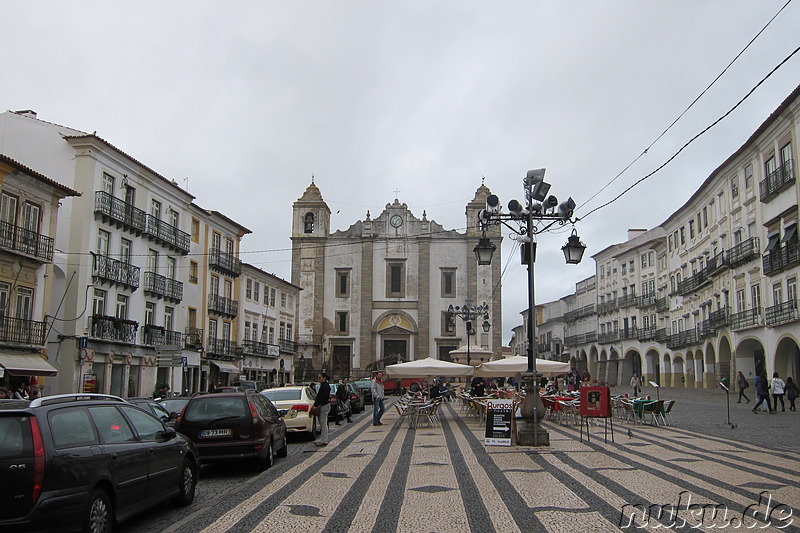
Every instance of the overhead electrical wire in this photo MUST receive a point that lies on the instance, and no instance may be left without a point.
(690, 141)
(649, 146)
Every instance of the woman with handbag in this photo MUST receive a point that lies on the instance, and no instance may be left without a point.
(323, 403)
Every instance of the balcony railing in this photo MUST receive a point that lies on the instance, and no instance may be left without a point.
(780, 179)
(120, 212)
(628, 300)
(288, 346)
(163, 286)
(225, 262)
(607, 306)
(259, 349)
(742, 253)
(111, 328)
(20, 240)
(693, 282)
(21, 331)
(647, 334)
(746, 319)
(158, 336)
(781, 258)
(575, 314)
(682, 339)
(167, 234)
(221, 305)
(116, 271)
(720, 318)
(782, 313)
(193, 339)
(221, 348)
(608, 338)
(581, 339)
(646, 301)
(662, 304)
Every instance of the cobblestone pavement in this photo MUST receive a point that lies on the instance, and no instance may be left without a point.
(443, 479)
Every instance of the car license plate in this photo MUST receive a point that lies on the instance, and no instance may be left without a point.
(216, 433)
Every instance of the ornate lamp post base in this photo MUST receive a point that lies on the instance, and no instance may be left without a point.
(532, 433)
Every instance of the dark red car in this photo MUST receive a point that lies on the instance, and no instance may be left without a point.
(234, 425)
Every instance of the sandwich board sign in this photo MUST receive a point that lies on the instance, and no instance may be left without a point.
(499, 415)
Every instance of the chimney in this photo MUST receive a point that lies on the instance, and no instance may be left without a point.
(633, 233)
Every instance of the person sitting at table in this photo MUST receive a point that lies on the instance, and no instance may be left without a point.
(478, 387)
(414, 388)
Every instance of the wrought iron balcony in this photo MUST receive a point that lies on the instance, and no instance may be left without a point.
(662, 304)
(224, 262)
(779, 180)
(746, 319)
(780, 258)
(221, 348)
(193, 339)
(646, 301)
(693, 283)
(720, 318)
(575, 314)
(26, 242)
(782, 313)
(646, 334)
(581, 339)
(681, 339)
(22, 332)
(288, 346)
(163, 287)
(608, 338)
(118, 211)
(743, 253)
(111, 328)
(628, 300)
(158, 336)
(629, 333)
(167, 234)
(221, 305)
(116, 271)
(542, 347)
(259, 349)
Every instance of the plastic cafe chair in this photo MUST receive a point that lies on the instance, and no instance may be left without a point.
(665, 414)
(630, 412)
(654, 409)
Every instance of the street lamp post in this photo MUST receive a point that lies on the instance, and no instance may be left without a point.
(469, 314)
(539, 208)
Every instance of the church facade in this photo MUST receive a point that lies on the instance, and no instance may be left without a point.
(378, 292)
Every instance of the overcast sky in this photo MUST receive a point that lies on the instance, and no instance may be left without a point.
(241, 105)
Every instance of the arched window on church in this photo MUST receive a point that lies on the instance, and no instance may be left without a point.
(309, 223)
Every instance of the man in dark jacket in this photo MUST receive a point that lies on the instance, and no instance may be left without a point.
(323, 400)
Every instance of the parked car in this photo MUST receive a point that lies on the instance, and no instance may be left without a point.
(76, 462)
(155, 408)
(293, 404)
(356, 398)
(174, 405)
(365, 386)
(234, 425)
(250, 385)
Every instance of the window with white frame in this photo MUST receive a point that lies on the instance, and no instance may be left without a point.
(256, 291)
(122, 306)
(99, 302)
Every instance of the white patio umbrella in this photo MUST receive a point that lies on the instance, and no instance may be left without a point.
(428, 367)
(519, 364)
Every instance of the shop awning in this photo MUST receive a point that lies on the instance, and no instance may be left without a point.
(225, 366)
(26, 365)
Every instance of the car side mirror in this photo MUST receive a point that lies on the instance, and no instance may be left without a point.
(170, 433)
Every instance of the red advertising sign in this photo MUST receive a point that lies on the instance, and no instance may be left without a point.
(595, 402)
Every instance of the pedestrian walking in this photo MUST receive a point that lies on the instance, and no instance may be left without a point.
(777, 391)
(635, 383)
(762, 391)
(743, 384)
(377, 399)
(791, 392)
(323, 400)
(343, 401)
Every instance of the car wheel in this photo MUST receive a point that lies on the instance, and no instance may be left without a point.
(284, 451)
(99, 515)
(186, 485)
(269, 458)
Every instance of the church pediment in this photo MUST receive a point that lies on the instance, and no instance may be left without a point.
(395, 324)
